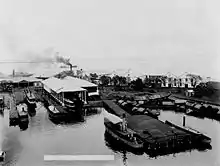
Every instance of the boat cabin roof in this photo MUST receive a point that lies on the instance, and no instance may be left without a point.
(140, 109)
(112, 118)
(22, 106)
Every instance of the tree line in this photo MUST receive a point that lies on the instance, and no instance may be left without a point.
(202, 89)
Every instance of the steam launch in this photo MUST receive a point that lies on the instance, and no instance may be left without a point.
(30, 101)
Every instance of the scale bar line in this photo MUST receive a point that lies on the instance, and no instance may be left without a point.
(78, 157)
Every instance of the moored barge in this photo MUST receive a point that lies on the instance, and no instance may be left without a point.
(156, 134)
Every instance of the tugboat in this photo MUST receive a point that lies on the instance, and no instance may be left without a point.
(71, 108)
(30, 100)
(59, 114)
(2, 156)
(128, 137)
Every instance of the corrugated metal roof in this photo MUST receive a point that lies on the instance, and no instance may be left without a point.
(59, 85)
(80, 82)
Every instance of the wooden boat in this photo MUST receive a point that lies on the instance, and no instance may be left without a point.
(195, 112)
(59, 114)
(2, 156)
(72, 107)
(30, 100)
(112, 125)
(56, 115)
(167, 104)
(190, 104)
(153, 112)
(189, 111)
(159, 96)
(68, 104)
(22, 112)
(198, 135)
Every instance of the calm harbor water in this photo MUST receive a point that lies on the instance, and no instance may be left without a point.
(25, 148)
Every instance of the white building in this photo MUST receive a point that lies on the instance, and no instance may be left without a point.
(184, 81)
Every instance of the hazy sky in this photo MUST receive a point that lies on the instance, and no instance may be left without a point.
(152, 36)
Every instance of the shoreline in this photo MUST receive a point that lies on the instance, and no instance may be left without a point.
(109, 93)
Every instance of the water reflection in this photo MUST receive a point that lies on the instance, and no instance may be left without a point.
(89, 137)
(2, 113)
(31, 112)
(23, 125)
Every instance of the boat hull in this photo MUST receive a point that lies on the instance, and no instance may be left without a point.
(124, 141)
(31, 105)
(67, 116)
(112, 143)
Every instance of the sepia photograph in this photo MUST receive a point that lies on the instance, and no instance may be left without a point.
(109, 83)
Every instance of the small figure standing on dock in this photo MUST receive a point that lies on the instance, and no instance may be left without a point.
(124, 123)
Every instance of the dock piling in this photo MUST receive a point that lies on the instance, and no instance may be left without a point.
(184, 120)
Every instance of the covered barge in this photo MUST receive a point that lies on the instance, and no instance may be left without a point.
(157, 135)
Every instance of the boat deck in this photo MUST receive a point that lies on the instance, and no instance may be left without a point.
(154, 129)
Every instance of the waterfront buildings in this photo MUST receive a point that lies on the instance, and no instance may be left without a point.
(168, 81)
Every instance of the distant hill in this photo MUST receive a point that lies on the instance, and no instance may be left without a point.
(21, 74)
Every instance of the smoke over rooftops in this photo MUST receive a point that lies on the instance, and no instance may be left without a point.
(48, 58)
